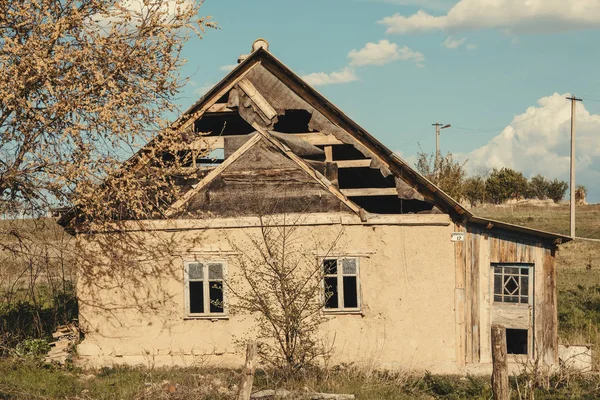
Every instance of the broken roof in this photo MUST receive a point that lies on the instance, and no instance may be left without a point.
(263, 95)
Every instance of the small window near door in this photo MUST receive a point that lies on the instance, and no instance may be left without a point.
(511, 283)
(516, 341)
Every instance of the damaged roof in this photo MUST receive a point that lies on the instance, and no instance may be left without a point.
(262, 100)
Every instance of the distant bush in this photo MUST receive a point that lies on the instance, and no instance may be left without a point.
(474, 190)
(443, 172)
(580, 194)
(557, 189)
(504, 184)
(537, 188)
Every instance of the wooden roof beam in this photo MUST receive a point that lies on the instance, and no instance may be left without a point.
(318, 139)
(220, 108)
(369, 192)
(354, 163)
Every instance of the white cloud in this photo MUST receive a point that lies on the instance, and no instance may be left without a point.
(382, 53)
(322, 78)
(513, 16)
(228, 67)
(538, 141)
(451, 43)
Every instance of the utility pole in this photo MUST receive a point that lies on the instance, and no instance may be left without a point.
(572, 183)
(438, 128)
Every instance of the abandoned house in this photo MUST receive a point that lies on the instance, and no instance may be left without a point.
(417, 279)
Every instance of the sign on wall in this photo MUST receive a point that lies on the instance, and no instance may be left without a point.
(457, 237)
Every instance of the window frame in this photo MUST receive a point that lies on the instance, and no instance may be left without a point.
(530, 283)
(341, 309)
(206, 290)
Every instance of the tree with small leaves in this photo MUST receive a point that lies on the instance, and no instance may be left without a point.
(83, 84)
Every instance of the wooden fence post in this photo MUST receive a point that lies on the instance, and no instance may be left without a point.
(248, 373)
(500, 366)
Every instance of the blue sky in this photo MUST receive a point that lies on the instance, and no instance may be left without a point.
(497, 70)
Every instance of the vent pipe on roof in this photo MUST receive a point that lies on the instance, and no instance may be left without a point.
(259, 43)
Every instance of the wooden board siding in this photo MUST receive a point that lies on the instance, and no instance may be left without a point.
(261, 181)
(475, 309)
(550, 321)
(459, 297)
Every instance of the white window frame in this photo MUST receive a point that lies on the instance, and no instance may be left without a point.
(341, 309)
(206, 290)
(530, 284)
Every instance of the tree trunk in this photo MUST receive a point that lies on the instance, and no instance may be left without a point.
(500, 366)
(248, 373)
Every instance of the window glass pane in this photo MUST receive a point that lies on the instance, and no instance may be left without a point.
(349, 266)
(511, 270)
(350, 292)
(497, 270)
(525, 286)
(524, 299)
(331, 293)
(511, 299)
(498, 284)
(524, 271)
(215, 271)
(216, 296)
(195, 271)
(196, 297)
(511, 285)
(498, 298)
(330, 266)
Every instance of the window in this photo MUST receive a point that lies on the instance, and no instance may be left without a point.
(204, 288)
(516, 341)
(511, 283)
(341, 284)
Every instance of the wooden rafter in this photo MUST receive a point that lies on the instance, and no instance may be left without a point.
(174, 208)
(370, 192)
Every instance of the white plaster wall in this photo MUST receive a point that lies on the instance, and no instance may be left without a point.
(135, 314)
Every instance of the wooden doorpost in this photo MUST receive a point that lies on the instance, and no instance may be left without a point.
(500, 366)
(248, 373)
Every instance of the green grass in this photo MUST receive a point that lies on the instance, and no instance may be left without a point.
(547, 218)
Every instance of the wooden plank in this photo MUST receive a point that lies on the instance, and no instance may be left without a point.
(318, 139)
(354, 163)
(208, 143)
(485, 302)
(182, 125)
(311, 171)
(370, 192)
(550, 316)
(515, 316)
(328, 153)
(263, 105)
(538, 300)
(220, 108)
(468, 297)
(459, 297)
(212, 175)
(475, 314)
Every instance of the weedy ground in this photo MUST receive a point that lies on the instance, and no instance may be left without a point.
(29, 379)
